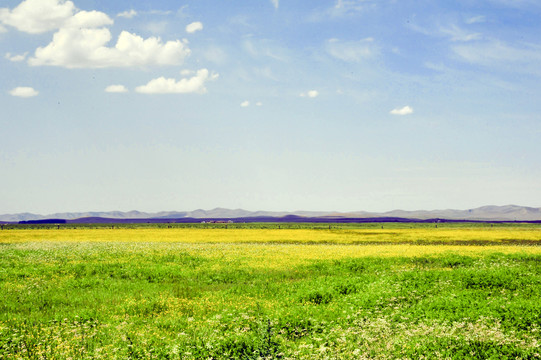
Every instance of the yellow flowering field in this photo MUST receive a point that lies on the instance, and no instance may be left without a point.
(296, 236)
(406, 292)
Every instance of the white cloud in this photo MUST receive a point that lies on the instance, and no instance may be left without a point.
(195, 84)
(86, 48)
(128, 14)
(38, 16)
(352, 51)
(16, 58)
(157, 27)
(245, 103)
(458, 34)
(275, 3)
(406, 110)
(2, 29)
(476, 19)
(259, 103)
(453, 32)
(310, 94)
(341, 9)
(215, 54)
(193, 27)
(116, 89)
(495, 51)
(258, 48)
(24, 92)
(82, 37)
(519, 58)
(161, 12)
(88, 19)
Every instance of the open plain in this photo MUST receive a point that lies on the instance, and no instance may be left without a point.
(290, 291)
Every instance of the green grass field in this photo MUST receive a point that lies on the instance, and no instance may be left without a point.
(350, 292)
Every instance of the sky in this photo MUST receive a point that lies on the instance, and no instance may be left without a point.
(274, 105)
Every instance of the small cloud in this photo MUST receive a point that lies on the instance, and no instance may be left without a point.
(259, 103)
(157, 27)
(195, 84)
(160, 12)
(116, 89)
(310, 94)
(193, 27)
(459, 35)
(215, 54)
(406, 110)
(245, 103)
(518, 58)
(16, 58)
(24, 92)
(352, 51)
(476, 20)
(275, 3)
(127, 14)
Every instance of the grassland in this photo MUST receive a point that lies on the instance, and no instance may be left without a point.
(259, 291)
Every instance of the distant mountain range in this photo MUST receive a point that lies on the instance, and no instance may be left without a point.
(485, 213)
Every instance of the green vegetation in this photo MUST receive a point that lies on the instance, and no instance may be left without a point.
(272, 225)
(177, 300)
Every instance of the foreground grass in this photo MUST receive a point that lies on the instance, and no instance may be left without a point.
(222, 294)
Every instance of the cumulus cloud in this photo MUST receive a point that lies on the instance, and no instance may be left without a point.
(116, 89)
(310, 94)
(38, 16)
(82, 38)
(15, 58)
(406, 110)
(128, 14)
(275, 3)
(86, 48)
(193, 27)
(24, 92)
(195, 84)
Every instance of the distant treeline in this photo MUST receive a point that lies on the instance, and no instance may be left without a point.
(45, 221)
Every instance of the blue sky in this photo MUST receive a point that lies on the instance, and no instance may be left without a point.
(269, 105)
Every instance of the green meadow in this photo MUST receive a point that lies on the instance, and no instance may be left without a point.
(271, 293)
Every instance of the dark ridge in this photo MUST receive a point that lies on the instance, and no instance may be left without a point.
(266, 219)
(44, 221)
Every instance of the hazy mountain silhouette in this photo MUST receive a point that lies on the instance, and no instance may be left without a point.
(486, 213)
